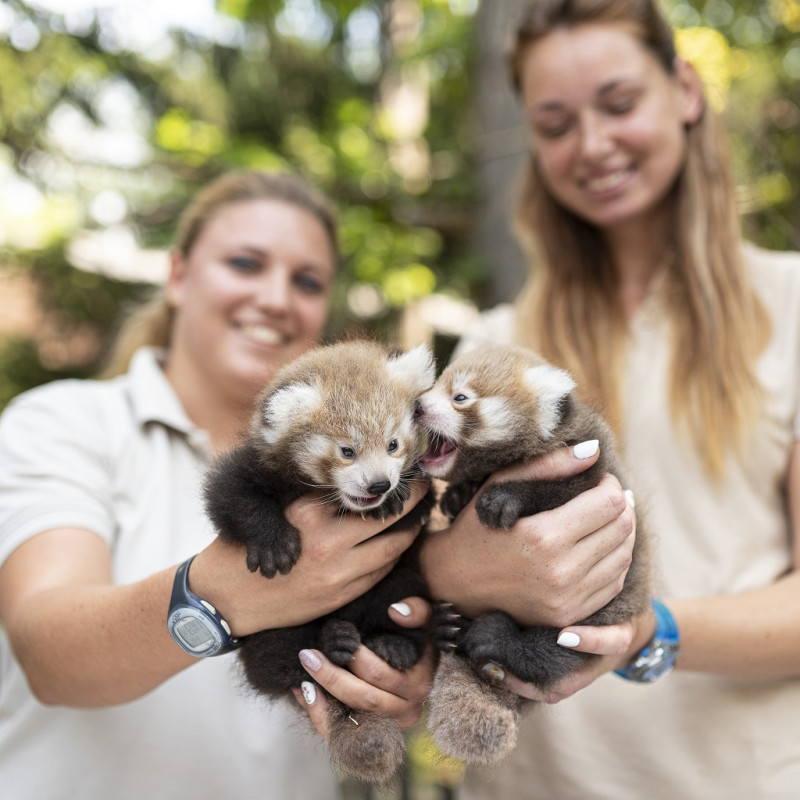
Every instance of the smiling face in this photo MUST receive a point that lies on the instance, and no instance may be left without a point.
(607, 121)
(251, 295)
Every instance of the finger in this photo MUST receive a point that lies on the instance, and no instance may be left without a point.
(351, 690)
(495, 674)
(412, 685)
(595, 520)
(315, 703)
(566, 687)
(578, 680)
(607, 577)
(605, 640)
(411, 612)
(560, 463)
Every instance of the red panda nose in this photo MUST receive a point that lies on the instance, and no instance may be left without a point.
(379, 487)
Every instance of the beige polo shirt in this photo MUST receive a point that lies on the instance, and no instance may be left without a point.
(121, 458)
(689, 736)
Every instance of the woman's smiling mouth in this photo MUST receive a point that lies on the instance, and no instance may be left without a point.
(263, 334)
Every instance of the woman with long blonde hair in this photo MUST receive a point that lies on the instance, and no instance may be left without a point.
(688, 339)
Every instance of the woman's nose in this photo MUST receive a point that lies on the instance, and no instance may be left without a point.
(274, 289)
(596, 141)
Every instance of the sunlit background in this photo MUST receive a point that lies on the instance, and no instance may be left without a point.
(113, 113)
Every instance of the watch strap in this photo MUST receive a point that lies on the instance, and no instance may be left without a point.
(658, 656)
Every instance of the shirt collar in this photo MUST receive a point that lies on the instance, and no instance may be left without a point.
(153, 398)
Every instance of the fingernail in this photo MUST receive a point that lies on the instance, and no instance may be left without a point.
(493, 671)
(568, 639)
(402, 608)
(309, 692)
(630, 498)
(586, 449)
(310, 660)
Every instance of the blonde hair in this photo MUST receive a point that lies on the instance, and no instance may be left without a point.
(151, 323)
(570, 308)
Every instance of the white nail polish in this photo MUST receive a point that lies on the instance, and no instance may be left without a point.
(492, 671)
(630, 498)
(586, 449)
(402, 608)
(309, 692)
(569, 639)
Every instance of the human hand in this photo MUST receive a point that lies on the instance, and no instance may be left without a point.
(369, 684)
(615, 644)
(552, 568)
(341, 558)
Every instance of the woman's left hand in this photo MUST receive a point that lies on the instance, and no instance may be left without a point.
(615, 644)
(369, 684)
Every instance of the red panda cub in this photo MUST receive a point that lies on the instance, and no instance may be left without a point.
(341, 419)
(491, 408)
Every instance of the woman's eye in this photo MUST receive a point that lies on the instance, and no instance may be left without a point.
(622, 101)
(309, 284)
(393, 445)
(348, 452)
(622, 107)
(552, 129)
(244, 263)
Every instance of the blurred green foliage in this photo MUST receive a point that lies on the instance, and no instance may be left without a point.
(370, 99)
(748, 52)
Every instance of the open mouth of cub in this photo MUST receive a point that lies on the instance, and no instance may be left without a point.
(365, 502)
(439, 450)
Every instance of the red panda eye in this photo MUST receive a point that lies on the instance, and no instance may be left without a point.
(460, 398)
(392, 446)
(347, 452)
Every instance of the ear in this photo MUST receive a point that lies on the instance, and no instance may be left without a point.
(415, 368)
(551, 385)
(692, 96)
(288, 406)
(176, 278)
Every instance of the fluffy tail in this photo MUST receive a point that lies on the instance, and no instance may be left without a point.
(368, 747)
(468, 718)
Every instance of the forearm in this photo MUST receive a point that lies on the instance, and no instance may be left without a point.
(755, 634)
(96, 645)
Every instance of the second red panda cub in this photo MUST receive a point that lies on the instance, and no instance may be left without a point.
(491, 408)
(339, 419)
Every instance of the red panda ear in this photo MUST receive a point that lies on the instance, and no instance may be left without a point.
(550, 385)
(288, 406)
(414, 368)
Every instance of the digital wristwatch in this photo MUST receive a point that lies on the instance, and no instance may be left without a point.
(195, 625)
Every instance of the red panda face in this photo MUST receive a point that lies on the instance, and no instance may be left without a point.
(486, 401)
(343, 419)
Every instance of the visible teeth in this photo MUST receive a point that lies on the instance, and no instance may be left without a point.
(263, 334)
(606, 182)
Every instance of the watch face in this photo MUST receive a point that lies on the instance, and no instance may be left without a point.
(193, 633)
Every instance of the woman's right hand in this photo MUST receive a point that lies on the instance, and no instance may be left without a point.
(553, 568)
(341, 558)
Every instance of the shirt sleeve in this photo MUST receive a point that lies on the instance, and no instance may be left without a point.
(54, 465)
